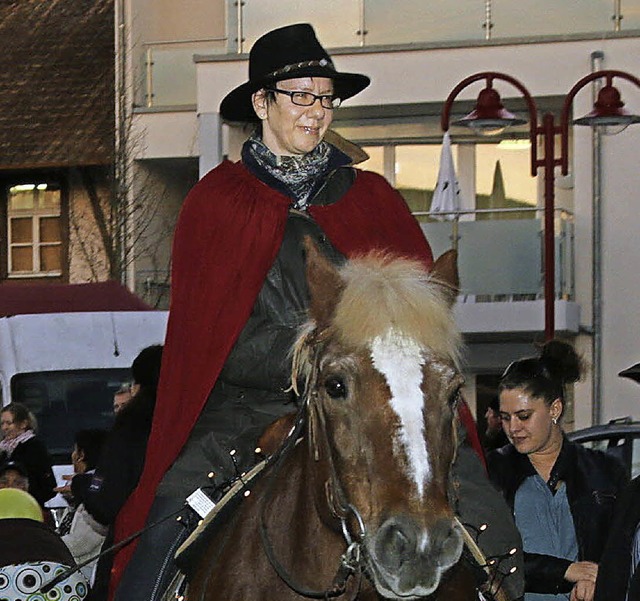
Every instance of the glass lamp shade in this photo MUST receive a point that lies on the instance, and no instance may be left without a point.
(489, 117)
(608, 110)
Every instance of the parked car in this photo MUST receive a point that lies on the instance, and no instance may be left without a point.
(620, 437)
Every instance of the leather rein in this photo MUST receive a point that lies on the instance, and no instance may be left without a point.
(351, 561)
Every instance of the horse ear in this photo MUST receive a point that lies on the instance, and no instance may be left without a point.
(445, 271)
(325, 284)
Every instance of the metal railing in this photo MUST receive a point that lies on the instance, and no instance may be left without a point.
(499, 255)
(500, 251)
(170, 71)
(168, 76)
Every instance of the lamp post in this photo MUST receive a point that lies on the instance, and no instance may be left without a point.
(490, 116)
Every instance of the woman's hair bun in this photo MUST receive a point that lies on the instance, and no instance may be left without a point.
(562, 361)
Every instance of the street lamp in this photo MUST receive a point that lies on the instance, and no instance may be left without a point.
(490, 117)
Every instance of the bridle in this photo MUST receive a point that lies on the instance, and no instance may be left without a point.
(351, 562)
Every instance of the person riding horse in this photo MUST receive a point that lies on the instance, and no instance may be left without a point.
(239, 293)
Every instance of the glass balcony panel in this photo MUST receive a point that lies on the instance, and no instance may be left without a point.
(494, 257)
(171, 74)
(501, 258)
(408, 21)
(630, 14)
(549, 17)
(564, 259)
(336, 22)
(411, 21)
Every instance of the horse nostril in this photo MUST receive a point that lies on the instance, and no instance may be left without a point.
(393, 545)
(447, 541)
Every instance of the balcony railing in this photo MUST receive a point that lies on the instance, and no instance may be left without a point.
(500, 256)
(500, 252)
(168, 74)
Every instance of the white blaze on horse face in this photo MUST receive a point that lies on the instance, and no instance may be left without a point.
(400, 360)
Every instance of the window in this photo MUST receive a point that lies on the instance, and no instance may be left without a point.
(34, 230)
(64, 402)
(501, 170)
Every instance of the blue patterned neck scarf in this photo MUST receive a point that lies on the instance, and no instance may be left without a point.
(299, 174)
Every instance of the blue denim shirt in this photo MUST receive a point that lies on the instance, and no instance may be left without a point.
(546, 525)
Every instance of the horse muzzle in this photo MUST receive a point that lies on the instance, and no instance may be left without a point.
(406, 561)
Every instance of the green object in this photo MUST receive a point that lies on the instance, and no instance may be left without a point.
(15, 503)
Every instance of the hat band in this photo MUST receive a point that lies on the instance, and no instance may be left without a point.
(303, 65)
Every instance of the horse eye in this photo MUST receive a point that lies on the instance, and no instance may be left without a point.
(335, 387)
(454, 399)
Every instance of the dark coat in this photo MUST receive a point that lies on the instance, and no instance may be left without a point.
(615, 566)
(116, 475)
(593, 480)
(34, 457)
(121, 461)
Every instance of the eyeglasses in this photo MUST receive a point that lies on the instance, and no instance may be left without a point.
(327, 101)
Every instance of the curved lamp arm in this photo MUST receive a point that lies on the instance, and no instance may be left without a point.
(608, 75)
(489, 76)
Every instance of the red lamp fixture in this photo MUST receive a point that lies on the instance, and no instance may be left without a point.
(490, 117)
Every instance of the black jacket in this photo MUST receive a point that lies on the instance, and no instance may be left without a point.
(593, 480)
(121, 461)
(615, 567)
(33, 456)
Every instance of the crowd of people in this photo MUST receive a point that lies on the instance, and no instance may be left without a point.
(106, 468)
(227, 364)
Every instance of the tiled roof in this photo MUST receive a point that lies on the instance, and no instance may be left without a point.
(56, 83)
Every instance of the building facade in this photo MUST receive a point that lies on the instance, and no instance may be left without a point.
(56, 139)
(179, 62)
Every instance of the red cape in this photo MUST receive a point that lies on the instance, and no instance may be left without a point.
(228, 235)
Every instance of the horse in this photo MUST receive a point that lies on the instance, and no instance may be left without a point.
(357, 502)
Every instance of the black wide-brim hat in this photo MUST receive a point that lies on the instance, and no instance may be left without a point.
(287, 53)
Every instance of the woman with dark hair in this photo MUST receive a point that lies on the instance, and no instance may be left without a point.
(561, 494)
(21, 444)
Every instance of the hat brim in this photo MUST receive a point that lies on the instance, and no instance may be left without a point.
(236, 105)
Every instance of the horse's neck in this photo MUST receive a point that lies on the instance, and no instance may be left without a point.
(296, 501)
(300, 485)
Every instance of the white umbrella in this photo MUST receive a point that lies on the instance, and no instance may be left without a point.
(446, 196)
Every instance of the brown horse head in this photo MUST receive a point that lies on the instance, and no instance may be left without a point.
(380, 360)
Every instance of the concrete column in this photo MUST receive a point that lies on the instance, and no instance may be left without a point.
(210, 137)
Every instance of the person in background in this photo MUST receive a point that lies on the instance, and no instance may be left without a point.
(562, 494)
(619, 573)
(494, 436)
(82, 533)
(14, 475)
(21, 444)
(32, 553)
(105, 491)
(121, 397)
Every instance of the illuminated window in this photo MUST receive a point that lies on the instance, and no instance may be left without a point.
(34, 230)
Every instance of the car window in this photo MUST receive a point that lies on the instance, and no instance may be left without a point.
(64, 402)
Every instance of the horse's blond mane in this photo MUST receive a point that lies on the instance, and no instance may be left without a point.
(383, 292)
